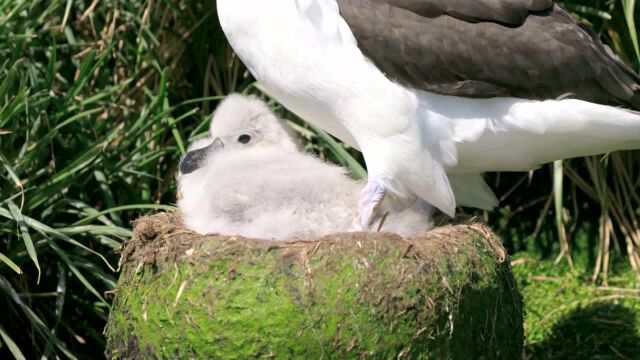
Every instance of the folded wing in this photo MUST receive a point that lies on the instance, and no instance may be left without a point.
(490, 48)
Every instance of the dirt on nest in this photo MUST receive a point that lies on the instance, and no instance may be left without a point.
(165, 233)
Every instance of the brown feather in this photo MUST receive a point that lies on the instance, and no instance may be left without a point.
(485, 48)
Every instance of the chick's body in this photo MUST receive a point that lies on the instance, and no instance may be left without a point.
(268, 188)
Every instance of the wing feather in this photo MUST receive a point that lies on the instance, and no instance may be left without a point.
(512, 12)
(489, 48)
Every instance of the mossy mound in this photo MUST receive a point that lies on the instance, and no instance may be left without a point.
(448, 293)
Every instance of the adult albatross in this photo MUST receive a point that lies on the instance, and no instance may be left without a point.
(436, 92)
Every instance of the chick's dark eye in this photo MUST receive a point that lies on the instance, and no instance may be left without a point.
(244, 138)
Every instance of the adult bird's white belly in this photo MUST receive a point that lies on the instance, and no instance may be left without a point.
(510, 134)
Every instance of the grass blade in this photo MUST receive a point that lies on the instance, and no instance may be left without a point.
(67, 11)
(48, 231)
(13, 348)
(90, 218)
(357, 171)
(34, 319)
(14, 177)
(101, 178)
(26, 237)
(10, 263)
(589, 10)
(629, 13)
(77, 272)
(558, 197)
(98, 230)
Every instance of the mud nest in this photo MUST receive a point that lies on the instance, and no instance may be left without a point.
(448, 293)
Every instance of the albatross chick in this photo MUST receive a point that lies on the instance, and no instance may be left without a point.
(250, 178)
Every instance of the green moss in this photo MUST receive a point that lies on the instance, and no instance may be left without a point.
(567, 317)
(344, 296)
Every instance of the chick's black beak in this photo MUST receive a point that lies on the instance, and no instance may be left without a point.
(195, 159)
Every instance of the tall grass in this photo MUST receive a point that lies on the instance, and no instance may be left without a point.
(97, 102)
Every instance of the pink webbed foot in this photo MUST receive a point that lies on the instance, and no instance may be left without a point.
(370, 213)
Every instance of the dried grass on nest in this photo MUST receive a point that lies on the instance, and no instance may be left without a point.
(165, 232)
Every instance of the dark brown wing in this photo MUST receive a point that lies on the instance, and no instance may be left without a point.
(486, 48)
(512, 12)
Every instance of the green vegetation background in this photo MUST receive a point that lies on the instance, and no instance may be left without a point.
(98, 100)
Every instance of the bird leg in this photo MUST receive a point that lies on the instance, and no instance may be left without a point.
(369, 206)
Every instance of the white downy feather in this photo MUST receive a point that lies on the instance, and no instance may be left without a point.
(268, 188)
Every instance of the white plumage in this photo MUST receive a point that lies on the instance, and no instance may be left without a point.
(267, 187)
(304, 54)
